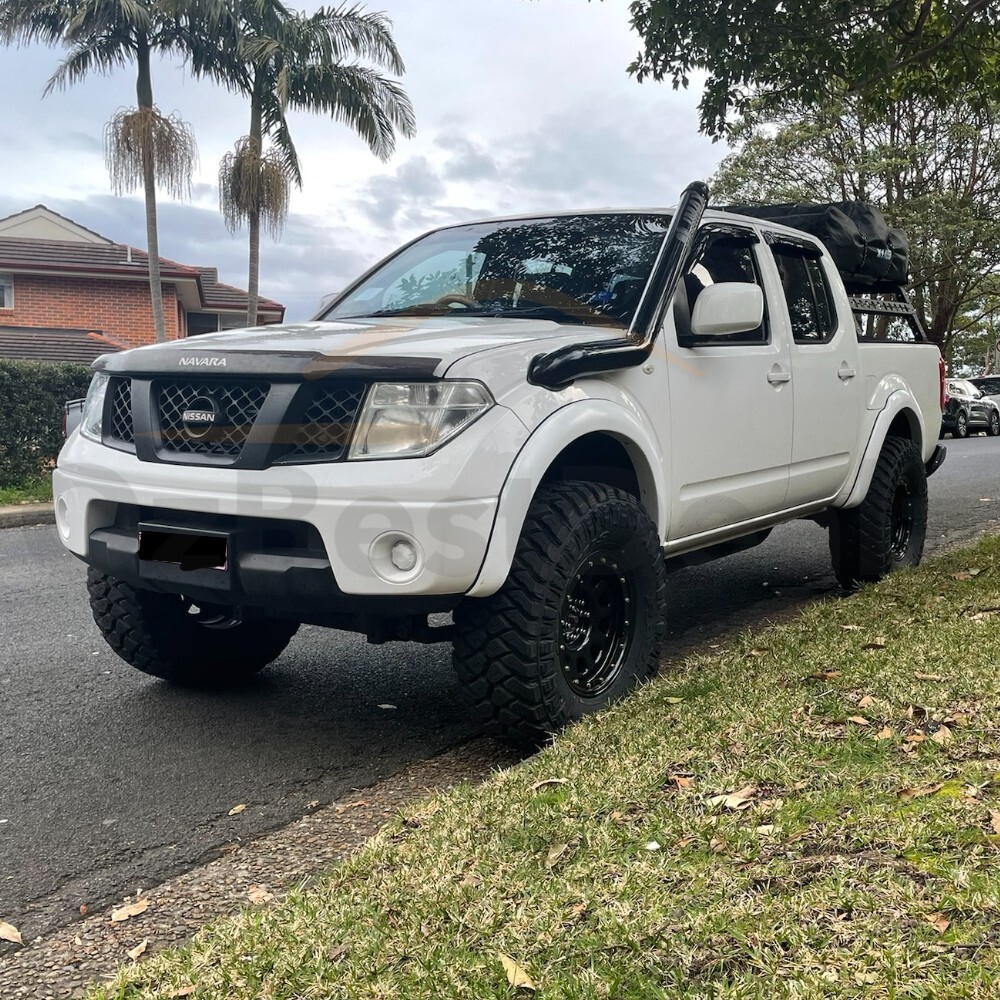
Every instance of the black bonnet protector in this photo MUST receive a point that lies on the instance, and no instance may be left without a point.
(187, 358)
(560, 367)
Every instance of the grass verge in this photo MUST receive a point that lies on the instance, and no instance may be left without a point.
(37, 490)
(813, 810)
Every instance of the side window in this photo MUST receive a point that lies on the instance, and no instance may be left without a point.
(807, 295)
(6, 291)
(721, 257)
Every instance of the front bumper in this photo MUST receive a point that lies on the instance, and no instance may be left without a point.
(350, 513)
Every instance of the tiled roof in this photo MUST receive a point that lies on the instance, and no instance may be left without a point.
(223, 296)
(58, 215)
(44, 344)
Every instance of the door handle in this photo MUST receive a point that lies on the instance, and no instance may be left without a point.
(844, 373)
(777, 377)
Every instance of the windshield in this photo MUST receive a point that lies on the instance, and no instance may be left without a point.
(587, 269)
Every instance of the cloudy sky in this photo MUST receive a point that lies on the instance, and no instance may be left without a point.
(521, 105)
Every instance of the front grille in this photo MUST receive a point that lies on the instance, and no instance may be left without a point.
(236, 405)
(120, 423)
(326, 425)
(316, 427)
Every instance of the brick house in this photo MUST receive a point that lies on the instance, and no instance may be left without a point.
(70, 294)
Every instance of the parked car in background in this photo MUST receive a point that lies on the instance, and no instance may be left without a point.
(988, 385)
(967, 410)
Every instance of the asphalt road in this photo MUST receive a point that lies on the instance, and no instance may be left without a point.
(110, 780)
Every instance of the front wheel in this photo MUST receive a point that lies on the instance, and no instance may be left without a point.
(577, 624)
(171, 637)
(961, 426)
(994, 427)
(887, 530)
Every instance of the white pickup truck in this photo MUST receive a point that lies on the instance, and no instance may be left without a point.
(523, 422)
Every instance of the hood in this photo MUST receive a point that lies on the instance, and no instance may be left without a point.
(380, 347)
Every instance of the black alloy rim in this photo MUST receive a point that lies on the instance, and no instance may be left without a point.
(901, 519)
(596, 623)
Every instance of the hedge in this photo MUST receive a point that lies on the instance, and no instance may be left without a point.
(32, 394)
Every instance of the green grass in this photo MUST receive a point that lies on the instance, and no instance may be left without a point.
(862, 860)
(38, 490)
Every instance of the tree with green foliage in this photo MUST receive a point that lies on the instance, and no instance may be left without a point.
(288, 61)
(142, 146)
(802, 50)
(934, 171)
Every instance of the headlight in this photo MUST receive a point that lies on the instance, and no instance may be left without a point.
(93, 408)
(414, 419)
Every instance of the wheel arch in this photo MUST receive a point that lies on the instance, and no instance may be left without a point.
(899, 418)
(593, 440)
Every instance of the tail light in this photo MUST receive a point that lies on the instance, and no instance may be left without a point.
(941, 384)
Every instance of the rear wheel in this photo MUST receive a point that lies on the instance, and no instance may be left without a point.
(994, 426)
(961, 426)
(887, 530)
(577, 624)
(172, 637)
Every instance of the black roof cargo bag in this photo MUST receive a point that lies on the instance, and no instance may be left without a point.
(868, 253)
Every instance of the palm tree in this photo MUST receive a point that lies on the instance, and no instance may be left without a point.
(284, 60)
(141, 146)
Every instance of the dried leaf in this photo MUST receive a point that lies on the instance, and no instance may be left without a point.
(516, 976)
(549, 781)
(181, 991)
(915, 738)
(766, 830)
(556, 851)
(858, 720)
(758, 652)
(718, 845)
(735, 800)
(129, 910)
(851, 628)
(313, 804)
(684, 842)
(916, 793)
(879, 643)
(135, 952)
(237, 809)
(825, 675)
(885, 733)
(941, 735)
(8, 932)
(938, 921)
(927, 677)
(995, 820)
(257, 894)
(652, 845)
(671, 701)
(471, 880)
(682, 780)
(336, 953)
(866, 702)
(961, 576)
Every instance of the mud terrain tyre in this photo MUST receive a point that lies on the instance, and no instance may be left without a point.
(578, 622)
(887, 530)
(172, 638)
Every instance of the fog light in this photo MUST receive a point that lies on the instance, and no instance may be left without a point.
(403, 556)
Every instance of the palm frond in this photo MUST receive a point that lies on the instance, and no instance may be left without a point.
(137, 138)
(349, 32)
(97, 55)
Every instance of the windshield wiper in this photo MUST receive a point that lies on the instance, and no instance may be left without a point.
(536, 312)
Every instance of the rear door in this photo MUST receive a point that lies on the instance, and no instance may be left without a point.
(826, 382)
(730, 401)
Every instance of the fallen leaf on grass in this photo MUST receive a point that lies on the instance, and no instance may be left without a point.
(129, 910)
(851, 628)
(878, 643)
(757, 652)
(995, 820)
(471, 880)
(237, 809)
(735, 800)
(181, 991)
(516, 976)
(941, 735)
(556, 851)
(824, 675)
(766, 830)
(135, 952)
(867, 701)
(652, 845)
(858, 720)
(718, 845)
(916, 793)
(549, 781)
(681, 780)
(336, 953)
(671, 701)
(966, 574)
(938, 921)
(8, 932)
(257, 894)
(685, 842)
(885, 733)
(927, 677)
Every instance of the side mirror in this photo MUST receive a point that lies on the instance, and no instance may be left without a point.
(727, 307)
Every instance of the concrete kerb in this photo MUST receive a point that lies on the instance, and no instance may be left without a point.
(27, 514)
